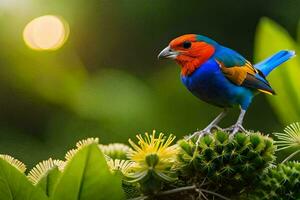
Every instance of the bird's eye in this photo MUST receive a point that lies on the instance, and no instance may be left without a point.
(187, 44)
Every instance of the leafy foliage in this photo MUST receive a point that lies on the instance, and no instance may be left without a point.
(84, 175)
(280, 183)
(270, 38)
(14, 185)
(45, 174)
(229, 165)
(220, 166)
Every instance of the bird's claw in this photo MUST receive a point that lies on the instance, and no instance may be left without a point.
(235, 128)
(198, 134)
(203, 132)
(216, 127)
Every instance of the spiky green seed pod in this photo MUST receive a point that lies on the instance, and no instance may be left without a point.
(228, 163)
(280, 183)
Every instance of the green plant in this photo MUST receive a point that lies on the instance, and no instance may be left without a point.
(279, 183)
(270, 38)
(154, 171)
(115, 150)
(220, 166)
(290, 138)
(13, 183)
(229, 165)
(83, 175)
(153, 160)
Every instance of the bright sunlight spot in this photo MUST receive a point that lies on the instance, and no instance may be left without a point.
(7, 3)
(46, 33)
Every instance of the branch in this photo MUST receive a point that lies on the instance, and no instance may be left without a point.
(182, 189)
(215, 194)
(177, 190)
(174, 191)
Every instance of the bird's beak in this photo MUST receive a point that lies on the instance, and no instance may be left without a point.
(167, 53)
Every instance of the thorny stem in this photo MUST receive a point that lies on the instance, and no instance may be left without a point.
(181, 189)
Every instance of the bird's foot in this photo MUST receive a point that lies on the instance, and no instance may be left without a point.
(198, 134)
(203, 132)
(235, 128)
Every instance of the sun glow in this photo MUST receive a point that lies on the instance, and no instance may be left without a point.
(47, 32)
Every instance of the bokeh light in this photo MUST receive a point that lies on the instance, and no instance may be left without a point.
(47, 32)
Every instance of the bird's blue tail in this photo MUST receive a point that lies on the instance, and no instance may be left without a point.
(267, 65)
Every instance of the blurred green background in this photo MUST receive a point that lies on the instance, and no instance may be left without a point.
(106, 81)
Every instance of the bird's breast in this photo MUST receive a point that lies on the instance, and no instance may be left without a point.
(210, 85)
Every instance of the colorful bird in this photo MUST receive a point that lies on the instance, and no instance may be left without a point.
(220, 76)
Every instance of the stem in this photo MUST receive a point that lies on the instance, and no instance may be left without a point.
(214, 193)
(181, 189)
(139, 198)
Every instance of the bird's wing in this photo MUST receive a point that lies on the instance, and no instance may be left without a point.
(241, 72)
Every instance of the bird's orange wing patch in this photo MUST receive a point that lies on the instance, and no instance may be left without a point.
(237, 74)
(246, 76)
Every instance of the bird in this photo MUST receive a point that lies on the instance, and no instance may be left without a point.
(220, 76)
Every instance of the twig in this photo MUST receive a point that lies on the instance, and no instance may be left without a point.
(139, 198)
(177, 190)
(201, 194)
(215, 194)
(181, 189)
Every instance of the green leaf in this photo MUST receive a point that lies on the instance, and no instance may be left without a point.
(270, 38)
(298, 32)
(15, 186)
(87, 177)
(46, 174)
(48, 182)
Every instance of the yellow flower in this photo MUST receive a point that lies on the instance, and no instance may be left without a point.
(153, 155)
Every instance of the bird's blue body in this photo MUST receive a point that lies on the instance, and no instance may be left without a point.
(209, 84)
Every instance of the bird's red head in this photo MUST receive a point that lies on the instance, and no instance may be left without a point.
(190, 51)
